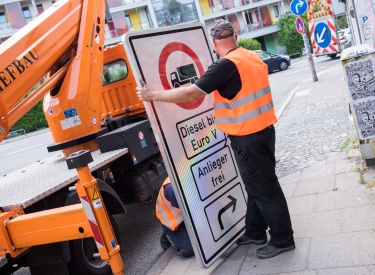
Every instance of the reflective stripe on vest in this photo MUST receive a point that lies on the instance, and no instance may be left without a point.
(246, 116)
(251, 110)
(167, 214)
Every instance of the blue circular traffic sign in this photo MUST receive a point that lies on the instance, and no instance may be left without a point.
(322, 35)
(300, 26)
(298, 7)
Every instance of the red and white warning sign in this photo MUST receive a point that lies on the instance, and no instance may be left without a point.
(199, 159)
(323, 35)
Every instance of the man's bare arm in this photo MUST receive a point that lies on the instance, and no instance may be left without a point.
(177, 95)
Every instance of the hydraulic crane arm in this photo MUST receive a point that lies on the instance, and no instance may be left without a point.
(28, 55)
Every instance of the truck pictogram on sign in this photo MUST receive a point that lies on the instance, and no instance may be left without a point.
(184, 75)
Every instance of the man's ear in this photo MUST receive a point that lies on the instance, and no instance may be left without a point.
(235, 36)
(214, 42)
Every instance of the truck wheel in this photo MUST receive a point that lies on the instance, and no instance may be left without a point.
(82, 262)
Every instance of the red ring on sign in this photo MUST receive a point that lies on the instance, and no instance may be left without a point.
(165, 53)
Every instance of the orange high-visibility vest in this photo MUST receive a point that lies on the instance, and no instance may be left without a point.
(167, 214)
(251, 110)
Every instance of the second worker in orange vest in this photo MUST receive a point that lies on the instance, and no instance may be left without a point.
(174, 230)
(243, 109)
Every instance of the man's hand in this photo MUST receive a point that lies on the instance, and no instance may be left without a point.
(144, 93)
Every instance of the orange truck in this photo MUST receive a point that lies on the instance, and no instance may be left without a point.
(56, 214)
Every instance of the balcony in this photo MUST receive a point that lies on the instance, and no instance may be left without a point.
(6, 26)
(214, 6)
(119, 3)
(257, 26)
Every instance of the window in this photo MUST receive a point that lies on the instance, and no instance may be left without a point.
(264, 55)
(172, 12)
(114, 71)
(276, 11)
(40, 8)
(3, 19)
(128, 22)
(26, 12)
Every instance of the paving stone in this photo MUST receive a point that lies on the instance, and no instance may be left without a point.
(318, 224)
(318, 170)
(315, 185)
(177, 265)
(347, 180)
(357, 270)
(290, 261)
(341, 199)
(288, 189)
(304, 272)
(358, 218)
(369, 175)
(354, 153)
(229, 263)
(302, 205)
(343, 166)
(294, 177)
(338, 156)
(301, 124)
(342, 250)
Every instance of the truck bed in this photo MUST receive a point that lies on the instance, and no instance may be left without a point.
(36, 181)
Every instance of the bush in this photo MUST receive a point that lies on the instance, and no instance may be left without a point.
(33, 120)
(249, 44)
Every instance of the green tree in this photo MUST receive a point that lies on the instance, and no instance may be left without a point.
(249, 44)
(342, 22)
(289, 37)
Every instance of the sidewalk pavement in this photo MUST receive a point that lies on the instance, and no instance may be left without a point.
(327, 187)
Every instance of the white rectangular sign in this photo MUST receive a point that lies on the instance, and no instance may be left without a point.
(199, 159)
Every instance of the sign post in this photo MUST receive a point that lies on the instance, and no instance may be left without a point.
(299, 7)
(198, 156)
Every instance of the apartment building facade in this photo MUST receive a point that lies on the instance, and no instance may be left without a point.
(250, 18)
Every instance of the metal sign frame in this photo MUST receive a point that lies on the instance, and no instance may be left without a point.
(227, 229)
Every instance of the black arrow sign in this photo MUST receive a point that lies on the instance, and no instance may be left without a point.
(225, 208)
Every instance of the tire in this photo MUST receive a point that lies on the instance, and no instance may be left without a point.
(80, 262)
(332, 55)
(283, 65)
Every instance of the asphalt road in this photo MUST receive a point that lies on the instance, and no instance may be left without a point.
(140, 230)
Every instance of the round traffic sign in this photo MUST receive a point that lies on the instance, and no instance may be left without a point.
(165, 53)
(300, 26)
(322, 35)
(298, 7)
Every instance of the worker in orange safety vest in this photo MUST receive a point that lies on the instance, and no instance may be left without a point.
(174, 230)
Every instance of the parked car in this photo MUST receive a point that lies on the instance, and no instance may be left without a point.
(274, 61)
(347, 34)
(342, 39)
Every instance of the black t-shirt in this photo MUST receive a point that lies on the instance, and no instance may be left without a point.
(222, 75)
